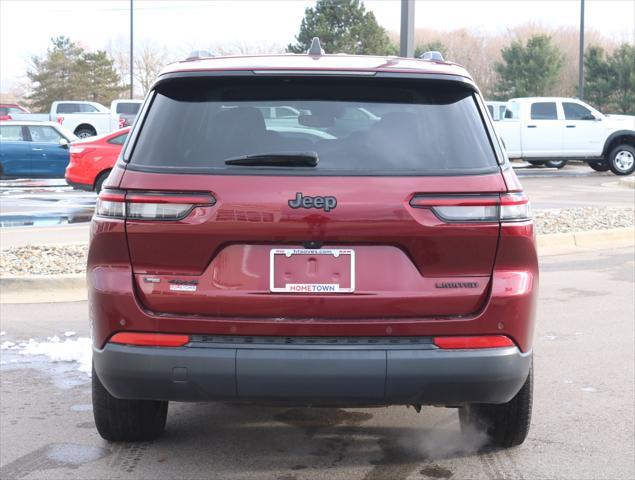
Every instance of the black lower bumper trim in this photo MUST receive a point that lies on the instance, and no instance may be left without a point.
(313, 374)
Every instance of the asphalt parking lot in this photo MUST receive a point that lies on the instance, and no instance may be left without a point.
(582, 426)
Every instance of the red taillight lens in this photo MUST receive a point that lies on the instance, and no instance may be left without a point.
(150, 206)
(471, 342)
(79, 152)
(150, 339)
(122, 122)
(60, 120)
(476, 208)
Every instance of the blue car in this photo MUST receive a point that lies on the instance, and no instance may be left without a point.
(34, 149)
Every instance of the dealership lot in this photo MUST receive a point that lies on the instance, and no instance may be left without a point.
(51, 202)
(584, 359)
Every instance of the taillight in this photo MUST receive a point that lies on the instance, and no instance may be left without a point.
(515, 207)
(122, 122)
(111, 203)
(164, 206)
(150, 339)
(79, 152)
(472, 342)
(60, 120)
(512, 207)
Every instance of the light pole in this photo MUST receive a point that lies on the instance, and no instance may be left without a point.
(581, 60)
(407, 34)
(131, 51)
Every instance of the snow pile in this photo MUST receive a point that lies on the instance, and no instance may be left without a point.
(70, 350)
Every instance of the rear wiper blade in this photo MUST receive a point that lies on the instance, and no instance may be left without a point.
(283, 159)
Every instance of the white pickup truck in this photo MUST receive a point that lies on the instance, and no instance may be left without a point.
(551, 131)
(86, 119)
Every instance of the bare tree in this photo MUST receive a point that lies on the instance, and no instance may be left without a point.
(149, 60)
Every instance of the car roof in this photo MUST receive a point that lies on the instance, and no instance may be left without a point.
(325, 62)
(29, 122)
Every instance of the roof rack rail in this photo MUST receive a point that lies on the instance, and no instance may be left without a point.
(432, 56)
(316, 47)
(198, 54)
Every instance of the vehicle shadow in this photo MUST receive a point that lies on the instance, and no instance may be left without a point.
(268, 439)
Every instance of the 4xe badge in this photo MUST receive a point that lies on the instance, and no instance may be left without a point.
(325, 203)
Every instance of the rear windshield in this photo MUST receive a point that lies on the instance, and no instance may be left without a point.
(128, 108)
(365, 126)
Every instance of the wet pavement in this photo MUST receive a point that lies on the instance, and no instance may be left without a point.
(582, 427)
(25, 202)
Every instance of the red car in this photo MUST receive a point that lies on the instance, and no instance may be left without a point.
(92, 160)
(392, 263)
(8, 109)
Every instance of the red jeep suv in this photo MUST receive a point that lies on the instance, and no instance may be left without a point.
(369, 247)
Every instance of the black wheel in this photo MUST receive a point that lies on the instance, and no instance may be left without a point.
(99, 183)
(622, 160)
(126, 420)
(601, 166)
(507, 424)
(85, 132)
(535, 163)
(556, 164)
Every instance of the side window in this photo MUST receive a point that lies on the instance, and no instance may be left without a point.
(511, 111)
(575, 111)
(67, 108)
(286, 112)
(544, 111)
(11, 133)
(119, 139)
(491, 110)
(128, 108)
(44, 134)
(85, 108)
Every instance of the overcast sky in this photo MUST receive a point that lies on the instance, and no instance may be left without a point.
(27, 25)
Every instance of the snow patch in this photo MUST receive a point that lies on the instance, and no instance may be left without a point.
(70, 350)
(69, 334)
(3, 333)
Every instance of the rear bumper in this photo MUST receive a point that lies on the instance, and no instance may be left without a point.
(79, 186)
(338, 372)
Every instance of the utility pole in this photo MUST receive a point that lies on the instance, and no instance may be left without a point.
(581, 61)
(407, 34)
(131, 51)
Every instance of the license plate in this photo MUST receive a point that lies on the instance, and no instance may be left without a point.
(312, 271)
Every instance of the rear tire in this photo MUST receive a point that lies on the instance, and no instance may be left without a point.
(535, 163)
(556, 164)
(622, 160)
(99, 183)
(85, 132)
(126, 420)
(507, 424)
(601, 166)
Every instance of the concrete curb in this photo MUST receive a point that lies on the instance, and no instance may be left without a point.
(589, 239)
(66, 288)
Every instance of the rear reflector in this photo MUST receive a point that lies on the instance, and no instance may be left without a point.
(479, 341)
(150, 339)
(154, 206)
(509, 207)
